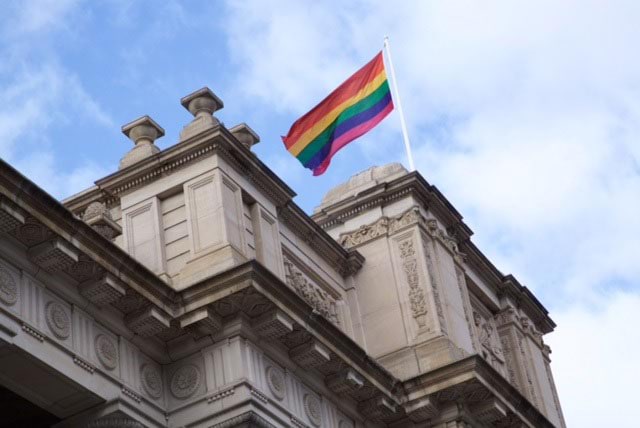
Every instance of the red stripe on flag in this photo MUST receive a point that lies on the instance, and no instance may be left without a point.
(342, 93)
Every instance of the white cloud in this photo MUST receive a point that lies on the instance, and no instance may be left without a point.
(42, 169)
(526, 115)
(594, 362)
(38, 95)
(28, 17)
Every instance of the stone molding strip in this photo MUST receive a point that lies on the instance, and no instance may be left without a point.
(251, 419)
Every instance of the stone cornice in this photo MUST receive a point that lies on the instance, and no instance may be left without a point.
(474, 379)
(50, 213)
(409, 184)
(218, 140)
(250, 419)
(432, 199)
(346, 262)
(252, 276)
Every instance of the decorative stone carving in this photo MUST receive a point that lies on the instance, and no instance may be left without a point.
(131, 394)
(313, 409)
(435, 287)
(462, 288)
(8, 288)
(115, 422)
(103, 291)
(143, 132)
(317, 298)
(151, 380)
(185, 381)
(529, 327)
(32, 232)
(220, 395)
(345, 424)
(84, 364)
(84, 269)
(380, 227)
(422, 409)
(201, 322)
(276, 382)
(345, 382)
(408, 218)
(365, 233)
(202, 104)
(489, 412)
(273, 325)
(54, 255)
(106, 351)
(310, 354)
(446, 238)
(147, 322)
(10, 216)
(488, 338)
(99, 218)
(245, 135)
(378, 407)
(33, 332)
(416, 293)
(58, 320)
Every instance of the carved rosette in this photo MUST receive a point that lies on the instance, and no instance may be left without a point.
(8, 288)
(58, 320)
(151, 380)
(106, 351)
(276, 382)
(313, 409)
(185, 381)
(317, 298)
(416, 294)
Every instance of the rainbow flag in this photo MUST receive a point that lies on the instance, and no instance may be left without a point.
(350, 111)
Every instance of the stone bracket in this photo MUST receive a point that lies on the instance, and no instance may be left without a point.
(54, 255)
(10, 217)
(422, 409)
(273, 325)
(377, 408)
(489, 411)
(202, 321)
(310, 354)
(345, 382)
(103, 291)
(148, 322)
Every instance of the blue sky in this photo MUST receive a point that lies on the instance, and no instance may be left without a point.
(525, 114)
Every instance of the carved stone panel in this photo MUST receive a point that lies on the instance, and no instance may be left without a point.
(417, 299)
(317, 298)
(8, 287)
(435, 283)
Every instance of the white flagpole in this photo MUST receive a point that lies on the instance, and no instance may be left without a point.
(403, 125)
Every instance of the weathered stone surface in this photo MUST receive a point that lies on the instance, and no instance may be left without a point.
(215, 300)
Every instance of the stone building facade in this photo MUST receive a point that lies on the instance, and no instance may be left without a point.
(187, 289)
